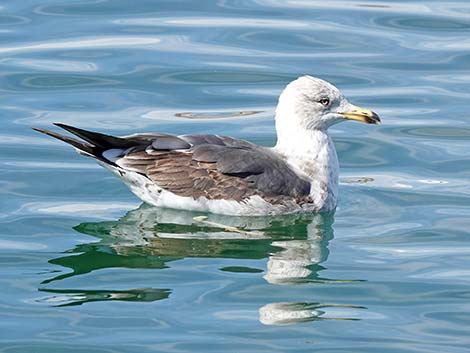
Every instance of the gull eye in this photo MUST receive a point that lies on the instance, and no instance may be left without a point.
(324, 101)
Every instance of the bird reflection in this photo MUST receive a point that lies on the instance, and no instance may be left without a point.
(151, 238)
(69, 297)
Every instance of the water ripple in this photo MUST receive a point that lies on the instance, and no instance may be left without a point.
(81, 43)
(213, 22)
(391, 272)
(51, 65)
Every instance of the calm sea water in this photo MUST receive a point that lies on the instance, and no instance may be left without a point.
(86, 268)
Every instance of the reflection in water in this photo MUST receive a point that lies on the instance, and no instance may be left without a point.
(151, 238)
(298, 259)
(68, 297)
(294, 313)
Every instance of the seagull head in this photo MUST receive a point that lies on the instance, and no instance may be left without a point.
(309, 103)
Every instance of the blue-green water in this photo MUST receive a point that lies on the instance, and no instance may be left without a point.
(85, 268)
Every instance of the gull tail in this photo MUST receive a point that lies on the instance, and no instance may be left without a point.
(79, 145)
(94, 143)
(100, 141)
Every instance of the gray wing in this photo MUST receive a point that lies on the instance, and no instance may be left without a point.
(216, 167)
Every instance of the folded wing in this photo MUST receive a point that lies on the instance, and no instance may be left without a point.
(217, 167)
(211, 166)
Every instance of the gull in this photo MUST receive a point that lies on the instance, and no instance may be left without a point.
(225, 175)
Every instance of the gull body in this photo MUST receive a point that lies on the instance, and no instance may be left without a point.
(220, 174)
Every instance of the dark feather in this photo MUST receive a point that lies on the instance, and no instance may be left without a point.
(169, 143)
(216, 167)
(203, 139)
(216, 171)
(98, 140)
(207, 153)
(82, 146)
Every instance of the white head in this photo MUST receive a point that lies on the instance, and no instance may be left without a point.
(309, 103)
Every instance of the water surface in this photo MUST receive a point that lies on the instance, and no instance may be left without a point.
(86, 268)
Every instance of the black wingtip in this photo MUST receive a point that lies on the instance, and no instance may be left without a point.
(71, 129)
(63, 126)
(38, 129)
(45, 131)
(97, 139)
(82, 146)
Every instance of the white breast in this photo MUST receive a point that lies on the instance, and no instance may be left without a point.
(313, 155)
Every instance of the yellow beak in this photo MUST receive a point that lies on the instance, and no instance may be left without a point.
(363, 115)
